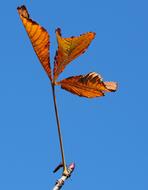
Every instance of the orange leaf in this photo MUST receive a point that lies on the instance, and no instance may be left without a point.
(39, 38)
(69, 49)
(90, 85)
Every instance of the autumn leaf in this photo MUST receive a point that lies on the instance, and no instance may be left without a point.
(90, 85)
(69, 49)
(39, 38)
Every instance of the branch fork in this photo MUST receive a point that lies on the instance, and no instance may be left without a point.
(60, 182)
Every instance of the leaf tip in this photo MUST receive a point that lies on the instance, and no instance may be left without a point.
(22, 10)
(58, 31)
(111, 86)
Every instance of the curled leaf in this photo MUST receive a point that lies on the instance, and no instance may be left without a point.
(39, 38)
(90, 85)
(69, 49)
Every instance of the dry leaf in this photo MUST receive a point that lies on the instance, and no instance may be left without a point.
(69, 49)
(39, 38)
(90, 85)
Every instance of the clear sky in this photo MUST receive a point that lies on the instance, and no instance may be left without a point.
(106, 137)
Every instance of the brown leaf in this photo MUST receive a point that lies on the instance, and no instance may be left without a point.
(69, 49)
(39, 38)
(90, 85)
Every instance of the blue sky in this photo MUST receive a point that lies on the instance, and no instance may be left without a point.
(106, 137)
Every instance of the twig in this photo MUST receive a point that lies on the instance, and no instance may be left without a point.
(65, 170)
(60, 181)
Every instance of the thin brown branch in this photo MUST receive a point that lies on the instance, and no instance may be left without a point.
(65, 170)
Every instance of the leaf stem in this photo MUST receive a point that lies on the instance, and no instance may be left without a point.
(65, 171)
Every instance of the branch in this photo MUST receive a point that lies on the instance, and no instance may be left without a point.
(60, 181)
